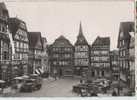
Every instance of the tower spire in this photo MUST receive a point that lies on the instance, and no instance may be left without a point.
(80, 29)
(80, 38)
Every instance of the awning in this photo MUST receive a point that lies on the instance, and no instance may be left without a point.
(25, 76)
(37, 71)
(32, 79)
(41, 71)
(2, 81)
(34, 74)
(18, 78)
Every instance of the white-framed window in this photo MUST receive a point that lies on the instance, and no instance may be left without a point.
(104, 52)
(120, 53)
(92, 58)
(124, 53)
(124, 64)
(96, 52)
(123, 42)
(92, 64)
(17, 44)
(120, 63)
(120, 43)
(121, 34)
(54, 63)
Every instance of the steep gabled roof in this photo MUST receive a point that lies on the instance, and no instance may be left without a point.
(2, 6)
(14, 25)
(101, 41)
(61, 41)
(33, 38)
(114, 52)
(81, 40)
(125, 27)
(4, 10)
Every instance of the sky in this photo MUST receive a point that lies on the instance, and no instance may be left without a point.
(53, 19)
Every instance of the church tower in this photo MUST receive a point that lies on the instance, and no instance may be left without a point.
(81, 54)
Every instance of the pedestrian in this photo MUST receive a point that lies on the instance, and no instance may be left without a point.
(80, 81)
(104, 90)
(55, 74)
(55, 77)
(114, 93)
(83, 92)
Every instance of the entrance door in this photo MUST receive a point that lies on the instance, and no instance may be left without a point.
(60, 72)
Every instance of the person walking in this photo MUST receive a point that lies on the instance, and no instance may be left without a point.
(55, 74)
(114, 93)
(81, 81)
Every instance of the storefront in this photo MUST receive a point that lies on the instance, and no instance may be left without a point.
(5, 71)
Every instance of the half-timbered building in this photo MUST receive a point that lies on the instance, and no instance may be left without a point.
(5, 52)
(124, 51)
(19, 33)
(61, 57)
(100, 58)
(35, 52)
(81, 54)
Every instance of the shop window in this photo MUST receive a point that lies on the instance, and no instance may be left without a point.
(5, 55)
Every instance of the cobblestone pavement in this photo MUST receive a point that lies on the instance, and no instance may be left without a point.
(53, 88)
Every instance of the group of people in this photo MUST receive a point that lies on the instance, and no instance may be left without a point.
(93, 93)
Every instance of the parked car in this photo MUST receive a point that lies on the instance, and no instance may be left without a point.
(77, 88)
(28, 86)
(45, 75)
(38, 81)
(93, 94)
(130, 93)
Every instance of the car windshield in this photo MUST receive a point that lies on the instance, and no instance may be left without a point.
(29, 81)
(34, 76)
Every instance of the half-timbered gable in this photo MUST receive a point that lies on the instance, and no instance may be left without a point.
(19, 33)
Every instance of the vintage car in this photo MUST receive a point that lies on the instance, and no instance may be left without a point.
(130, 93)
(45, 75)
(28, 86)
(38, 81)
